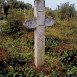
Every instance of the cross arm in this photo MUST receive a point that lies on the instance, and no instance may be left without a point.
(32, 22)
(49, 21)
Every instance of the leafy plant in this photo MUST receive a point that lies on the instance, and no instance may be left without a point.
(14, 22)
(66, 11)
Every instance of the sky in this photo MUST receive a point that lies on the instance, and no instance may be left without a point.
(52, 3)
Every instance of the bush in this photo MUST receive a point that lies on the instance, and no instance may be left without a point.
(66, 11)
(14, 22)
(17, 66)
(3, 58)
(49, 12)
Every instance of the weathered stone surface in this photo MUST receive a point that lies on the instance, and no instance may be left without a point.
(39, 13)
(39, 45)
(49, 21)
(39, 23)
(30, 23)
(39, 5)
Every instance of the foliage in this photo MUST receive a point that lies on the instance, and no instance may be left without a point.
(61, 43)
(3, 57)
(72, 70)
(49, 12)
(6, 5)
(17, 66)
(22, 44)
(19, 4)
(14, 22)
(66, 11)
(29, 13)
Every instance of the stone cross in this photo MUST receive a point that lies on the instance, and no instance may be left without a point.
(39, 23)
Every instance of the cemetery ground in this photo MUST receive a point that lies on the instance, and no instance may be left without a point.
(17, 52)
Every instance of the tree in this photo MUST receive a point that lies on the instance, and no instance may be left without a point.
(18, 4)
(66, 11)
(2, 5)
(14, 22)
(6, 5)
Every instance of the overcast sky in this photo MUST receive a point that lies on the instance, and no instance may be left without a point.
(53, 3)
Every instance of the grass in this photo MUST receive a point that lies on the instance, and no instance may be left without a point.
(60, 55)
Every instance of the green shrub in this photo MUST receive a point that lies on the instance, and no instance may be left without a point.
(49, 12)
(14, 22)
(66, 11)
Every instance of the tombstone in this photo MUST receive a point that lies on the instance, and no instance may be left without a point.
(3, 9)
(24, 11)
(39, 22)
(0, 24)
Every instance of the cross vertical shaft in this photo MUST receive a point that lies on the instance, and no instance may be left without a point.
(39, 13)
